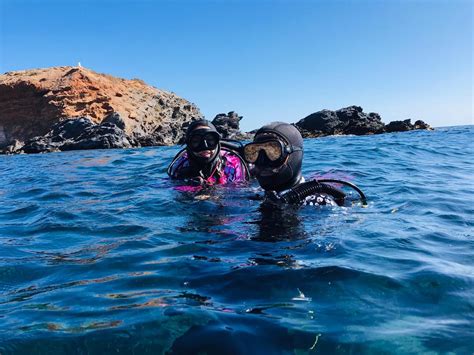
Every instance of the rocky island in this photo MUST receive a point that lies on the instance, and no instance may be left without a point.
(70, 108)
(352, 120)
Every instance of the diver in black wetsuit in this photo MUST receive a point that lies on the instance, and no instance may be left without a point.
(277, 154)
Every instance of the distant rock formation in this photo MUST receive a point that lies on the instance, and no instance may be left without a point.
(405, 125)
(35, 103)
(78, 133)
(228, 125)
(351, 120)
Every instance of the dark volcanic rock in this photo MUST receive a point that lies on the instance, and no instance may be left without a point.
(229, 126)
(322, 121)
(419, 124)
(359, 123)
(399, 126)
(405, 125)
(14, 147)
(115, 119)
(351, 120)
(77, 133)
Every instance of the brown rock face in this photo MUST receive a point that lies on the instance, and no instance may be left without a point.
(31, 101)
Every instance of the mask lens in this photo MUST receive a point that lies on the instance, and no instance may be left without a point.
(272, 149)
(211, 140)
(251, 152)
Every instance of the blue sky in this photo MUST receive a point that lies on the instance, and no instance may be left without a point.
(267, 60)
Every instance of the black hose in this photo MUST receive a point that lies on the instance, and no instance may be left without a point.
(233, 145)
(363, 198)
(300, 192)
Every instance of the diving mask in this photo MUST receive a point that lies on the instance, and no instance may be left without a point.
(275, 151)
(203, 139)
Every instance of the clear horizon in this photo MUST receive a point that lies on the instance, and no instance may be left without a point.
(266, 60)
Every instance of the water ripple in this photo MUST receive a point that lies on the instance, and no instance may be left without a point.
(99, 252)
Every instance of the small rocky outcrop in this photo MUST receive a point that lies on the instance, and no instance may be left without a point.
(33, 103)
(351, 120)
(406, 125)
(399, 126)
(228, 125)
(78, 133)
(419, 124)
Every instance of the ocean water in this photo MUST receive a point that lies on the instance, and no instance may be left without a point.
(101, 253)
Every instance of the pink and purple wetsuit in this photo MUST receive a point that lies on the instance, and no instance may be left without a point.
(229, 168)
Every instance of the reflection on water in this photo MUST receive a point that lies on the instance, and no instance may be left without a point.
(278, 223)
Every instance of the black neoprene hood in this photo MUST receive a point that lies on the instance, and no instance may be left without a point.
(200, 123)
(290, 173)
(199, 162)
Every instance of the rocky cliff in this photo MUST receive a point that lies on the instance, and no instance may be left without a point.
(37, 103)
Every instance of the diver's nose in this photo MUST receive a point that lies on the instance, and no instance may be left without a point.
(261, 159)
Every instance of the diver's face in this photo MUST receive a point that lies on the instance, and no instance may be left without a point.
(205, 153)
(277, 162)
(265, 170)
(203, 142)
(264, 166)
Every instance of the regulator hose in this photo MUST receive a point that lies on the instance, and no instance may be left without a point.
(233, 144)
(300, 192)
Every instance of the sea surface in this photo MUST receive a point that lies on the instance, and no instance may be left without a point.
(101, 253)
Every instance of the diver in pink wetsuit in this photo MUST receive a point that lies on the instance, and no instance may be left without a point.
(206, 160)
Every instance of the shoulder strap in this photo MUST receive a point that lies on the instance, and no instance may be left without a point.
(233, 145)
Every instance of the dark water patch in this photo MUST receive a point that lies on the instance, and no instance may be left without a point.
(234, 335)
(29, 193)
(18, 212)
